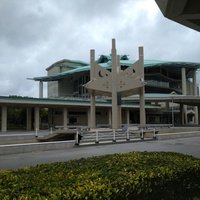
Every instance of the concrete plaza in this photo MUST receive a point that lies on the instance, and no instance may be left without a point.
(190, 146)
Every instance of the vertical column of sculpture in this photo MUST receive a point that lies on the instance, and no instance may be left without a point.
(142, 89)
(119, 122)
(115, 114)
(92, 95)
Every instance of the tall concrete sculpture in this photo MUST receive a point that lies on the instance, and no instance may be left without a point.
(116, 83)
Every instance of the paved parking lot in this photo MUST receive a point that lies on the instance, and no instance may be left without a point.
(189, 146)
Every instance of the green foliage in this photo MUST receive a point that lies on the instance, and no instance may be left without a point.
(136, 175)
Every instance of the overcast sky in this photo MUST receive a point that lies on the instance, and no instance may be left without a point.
(36, 33)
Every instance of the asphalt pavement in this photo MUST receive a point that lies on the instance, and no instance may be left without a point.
(190, 146)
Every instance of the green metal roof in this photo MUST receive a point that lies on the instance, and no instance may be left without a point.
(107, 65)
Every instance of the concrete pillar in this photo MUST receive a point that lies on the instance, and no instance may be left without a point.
(110, 117)
(37, 118)
(40, 89)
(119, 116)
(181, 114)
(142, 108)
(198, 107)
(28, 119)
(194, 83)
(50, 117)
(127, 117)
(115, 111)
(196, 119)
(184, 92)
(65, 118)
(89, 116)
(92, 112)
(92, 96)
(183, 78)
(142, 90)
(4, 118)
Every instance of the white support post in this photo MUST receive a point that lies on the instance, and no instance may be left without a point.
(36, 132)
(28, 119)
(76, 140)
(114, 136)
(65, 113)
(196, 119)
(4, 118)
(97, 136)
(127, 134)
(184, 92)
(128, 117)
(142, 89)
(115, 114)
(92, 96)
(110, 117)
(142, 133)
(40, 89)
(37, 118)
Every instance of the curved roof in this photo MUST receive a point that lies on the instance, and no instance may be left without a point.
(147, 64)
(65, 62)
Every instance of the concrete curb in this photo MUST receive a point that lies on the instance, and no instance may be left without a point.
(166, 136)
(33, 147)
(15, 137)
(46, 146)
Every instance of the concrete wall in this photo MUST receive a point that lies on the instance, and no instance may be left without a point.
(52, 86)
(65, 87)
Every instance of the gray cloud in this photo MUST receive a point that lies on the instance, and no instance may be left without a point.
(36, 33)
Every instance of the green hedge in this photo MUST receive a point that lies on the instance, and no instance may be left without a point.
(136, 175)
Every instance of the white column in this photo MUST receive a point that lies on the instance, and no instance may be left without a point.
(115, 112)
(110, 117)
(127, 117)
(92, 112)
(196, 119)
(119, 116)
(183, 78)
(65, 118)
(194, 83)
(40, 89)
(89, 116)
(4, 118)
(28, 119)
(92, 96)
(37, 118)
(142, 90)
(184, 92)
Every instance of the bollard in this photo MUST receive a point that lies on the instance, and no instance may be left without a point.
(76, 141)
(127, 135)
(36, 132)
(97, 137)
(142, 134)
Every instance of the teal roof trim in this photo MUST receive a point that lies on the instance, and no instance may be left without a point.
(147, 64)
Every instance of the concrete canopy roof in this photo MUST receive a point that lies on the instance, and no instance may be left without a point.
(185, 12)
(175, 66)
(127, 102)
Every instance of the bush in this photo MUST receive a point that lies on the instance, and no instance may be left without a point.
(136, 175)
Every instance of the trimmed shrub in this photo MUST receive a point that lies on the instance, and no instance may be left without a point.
(135, 175)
